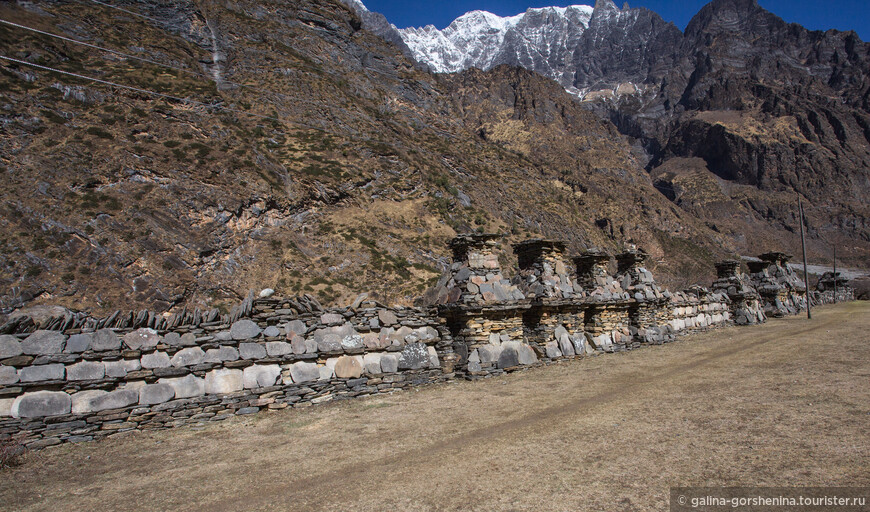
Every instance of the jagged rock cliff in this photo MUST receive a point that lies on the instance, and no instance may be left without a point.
(734, 118)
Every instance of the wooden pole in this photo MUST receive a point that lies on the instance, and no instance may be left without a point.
(804, 249)
(835, 275)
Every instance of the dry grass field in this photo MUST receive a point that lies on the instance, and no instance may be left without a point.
(783, 404)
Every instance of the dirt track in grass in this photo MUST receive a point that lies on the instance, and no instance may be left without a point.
(783, 404)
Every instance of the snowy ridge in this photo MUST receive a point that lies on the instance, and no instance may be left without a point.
(478, 38)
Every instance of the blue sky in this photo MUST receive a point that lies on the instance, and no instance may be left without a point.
(813, 14)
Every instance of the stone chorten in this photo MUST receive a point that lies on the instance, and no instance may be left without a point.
(782, 291)
(475, 275)
(746, 305)
(594, 278)
(543, 272)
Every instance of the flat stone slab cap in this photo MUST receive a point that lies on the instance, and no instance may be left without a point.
(42, 343)
(244, 330)
(105, 339)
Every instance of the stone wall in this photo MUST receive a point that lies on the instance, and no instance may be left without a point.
(698, 309)
(75, 378)
(75, 386)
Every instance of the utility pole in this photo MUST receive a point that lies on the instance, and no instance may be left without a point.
(804, 249)
(835, 275)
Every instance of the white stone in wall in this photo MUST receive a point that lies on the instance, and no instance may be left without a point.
(326, 372)
(244, 330)
(152, 394)
(372, 363)
(41, 403)
(8, 375)
(305, 372)
(272, 331)
(295, 327)
(579, 343)
(252, 351)
(9, 346)
(433, 358)
(489, 353)
(105, 339)
(261, 376)
(552, 350)
(331, 319)
(142, 339)
(86, 370)
(136, 384)
(565, 344)
(224, 381)
(186, 387)
(190, 356)
(494, 339)
(78, 343)
(219, 355)
(119, 369)
(6, 407)
(155, 360)
(43, 342)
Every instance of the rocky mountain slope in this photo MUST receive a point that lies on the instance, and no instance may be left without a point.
(734, 118)
(254, 144)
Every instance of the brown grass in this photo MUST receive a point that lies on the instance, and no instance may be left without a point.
(783, 404)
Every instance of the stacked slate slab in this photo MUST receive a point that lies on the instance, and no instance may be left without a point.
(746, 306)
(650, 314)
(782, 292)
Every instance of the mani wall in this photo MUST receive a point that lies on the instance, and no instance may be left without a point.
(77, 378)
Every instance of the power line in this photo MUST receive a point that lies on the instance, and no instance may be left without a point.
(128, 56)
(136, 89)
(125, 10)
(109, 50)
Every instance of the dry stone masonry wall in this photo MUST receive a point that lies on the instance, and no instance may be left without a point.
(74, 378)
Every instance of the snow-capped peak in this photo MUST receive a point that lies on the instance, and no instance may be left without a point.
(477, 38)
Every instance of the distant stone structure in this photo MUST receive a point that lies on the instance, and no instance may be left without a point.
(831, 288)
(72, 378)
(782, 291)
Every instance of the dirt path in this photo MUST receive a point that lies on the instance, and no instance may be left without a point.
(787, 403)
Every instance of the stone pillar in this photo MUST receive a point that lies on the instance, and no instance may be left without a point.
(630, 260)
(483, 311)
(727, 269)
(553, 325)
(651, 315)
(745, 307)
(543, 272)
(476, 272)
(592, 269)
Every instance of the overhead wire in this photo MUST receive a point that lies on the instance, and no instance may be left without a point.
(135, 57)
(137, 89)
(125, 10)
